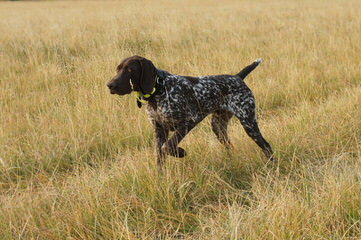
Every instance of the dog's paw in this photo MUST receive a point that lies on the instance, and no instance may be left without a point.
(175, 152)
(180, 153)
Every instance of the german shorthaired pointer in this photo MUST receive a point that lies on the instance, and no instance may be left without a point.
(178, 103)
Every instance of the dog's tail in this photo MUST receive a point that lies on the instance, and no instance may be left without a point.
(245, 71)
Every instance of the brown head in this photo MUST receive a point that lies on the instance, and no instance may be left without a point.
(133, 74)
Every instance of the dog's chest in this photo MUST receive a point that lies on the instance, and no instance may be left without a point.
(160, 114)
(169, 112)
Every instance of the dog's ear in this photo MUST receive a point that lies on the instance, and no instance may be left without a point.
(147, 76)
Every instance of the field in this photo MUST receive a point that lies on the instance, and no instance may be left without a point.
(79, 163)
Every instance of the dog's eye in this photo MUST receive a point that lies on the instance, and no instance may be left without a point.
(129, 70)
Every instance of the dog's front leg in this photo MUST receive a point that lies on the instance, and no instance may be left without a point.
(161, 134)
(171, 146)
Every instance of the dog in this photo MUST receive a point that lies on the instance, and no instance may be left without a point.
(178, 103)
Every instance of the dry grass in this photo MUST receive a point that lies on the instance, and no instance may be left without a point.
(78, 163)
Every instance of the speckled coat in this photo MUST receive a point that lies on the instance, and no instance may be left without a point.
(186, 101)
(179, 103)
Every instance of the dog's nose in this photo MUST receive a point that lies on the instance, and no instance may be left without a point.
(111, 85)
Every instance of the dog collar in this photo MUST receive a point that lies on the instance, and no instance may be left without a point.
(142, 98)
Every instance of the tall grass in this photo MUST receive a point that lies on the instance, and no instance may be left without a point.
(79, 163)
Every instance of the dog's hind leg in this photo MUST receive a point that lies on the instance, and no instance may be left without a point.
(252, 130)
(245, 112)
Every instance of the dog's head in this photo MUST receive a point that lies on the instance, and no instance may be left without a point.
(133, 74)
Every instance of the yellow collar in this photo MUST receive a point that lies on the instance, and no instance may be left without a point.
(141, 98)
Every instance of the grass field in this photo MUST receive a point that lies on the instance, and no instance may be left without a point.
(79, 163)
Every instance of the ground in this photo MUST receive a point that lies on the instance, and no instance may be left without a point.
(79, 163)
